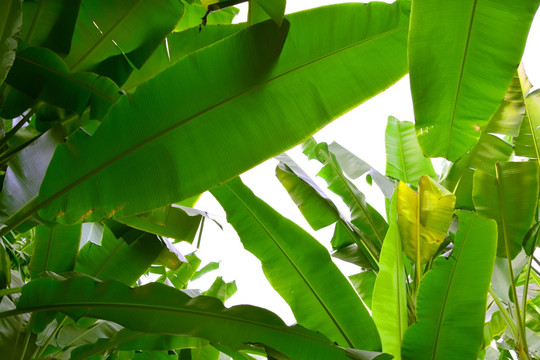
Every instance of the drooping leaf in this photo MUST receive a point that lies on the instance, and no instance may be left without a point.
(113, 37)
(193, 16)
(11, 20)
(211, 266)
(363, 215)
(55, 249)
(169, 256)
(462, 56)
(530, 242)
(404, 159)
(42, 74)
(50, 24)
(275, 9)
(24, 176)
(169, 221)
(161, 147)
(528, 141)
(451, 303)
(390, 292)
(158, 308)
(123, 259)
(510, 198)
(299, 269)
(423, 218)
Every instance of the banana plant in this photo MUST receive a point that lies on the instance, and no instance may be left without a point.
(116, 115)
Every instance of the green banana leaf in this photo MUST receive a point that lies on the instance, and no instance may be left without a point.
(195, 12)
(91, 232)
(157, 308)
(55, 249)
(221, 290)
(178, 45)
(528, 141)
(5, 268)
(462, 55)
(363, 216)
(169, 221)
(275, 9)
(320, 211)
(509, 116)
(423, 218)
(404, 158)
(459, 177)
(227, 117)
(509, 198)
(390, 292)
(123, 259)
(42, 74)
(299, 268)
(113, 37)
(364, 283)
(50, 24)
(24, 176)
(451, 301)
(11, 20)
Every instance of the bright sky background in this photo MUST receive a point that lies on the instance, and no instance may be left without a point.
(362, 132)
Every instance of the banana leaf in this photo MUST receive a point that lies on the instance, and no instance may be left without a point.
(462, 56)
(299, 268)
(244, 90)
(404, 159)
(157, 308)
(11, 20)
(528, 141)
(510, 198)
(423, 218)
(451, 301)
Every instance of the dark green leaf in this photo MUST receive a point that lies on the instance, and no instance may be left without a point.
(363, 283)
(299, 269)
(11, 20)
(40, 73)
(462, 56)
(55, 249)
(113, 37)
(451, 302)
(50, 23)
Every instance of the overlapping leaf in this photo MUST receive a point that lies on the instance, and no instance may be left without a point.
(451, 302)
(11, 20)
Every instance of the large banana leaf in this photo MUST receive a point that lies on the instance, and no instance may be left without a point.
(55, 249)
(11, 20)
(423, 218)
(211, 120)
(50, 24)
(300, 269)
(404, 159)
(462, 55)
(528, 141)
(157, 308)
(510, 198)
(390, 292)
(112, 37)
(451, 301)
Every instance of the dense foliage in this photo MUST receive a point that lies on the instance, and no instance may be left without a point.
(117, 115)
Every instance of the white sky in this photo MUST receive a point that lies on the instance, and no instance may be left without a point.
(362, 132)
